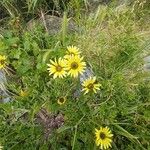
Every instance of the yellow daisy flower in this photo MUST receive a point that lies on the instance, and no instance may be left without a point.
(72, 50)
(23, 93)
(57, 68)
(90, 85)
(75, 65)
(103, 137)
(2, 61)
(61, 100)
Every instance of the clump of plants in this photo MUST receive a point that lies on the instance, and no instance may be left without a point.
(93, 95)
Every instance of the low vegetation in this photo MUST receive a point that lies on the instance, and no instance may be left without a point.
(102, 101)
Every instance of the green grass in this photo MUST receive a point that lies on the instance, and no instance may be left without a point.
(113, 42)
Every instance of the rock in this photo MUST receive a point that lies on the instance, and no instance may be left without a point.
(147, 59)
(4, 97)
(147, 63)
(88, 73)
(52, 23)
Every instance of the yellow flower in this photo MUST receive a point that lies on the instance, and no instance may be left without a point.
(23, 93)
(90, 85)
(103, 137)
(75, 65)
(57, 68)
(72, 50)
(2, 61)
(61, 100)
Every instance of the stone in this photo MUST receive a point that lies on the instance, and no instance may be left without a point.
(147, 63)
(52, 23)
(88, 73)
(4, 97)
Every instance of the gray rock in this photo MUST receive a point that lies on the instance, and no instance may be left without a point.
(147, 67)
(147, 63)
(4, 97)
(52, 24)
(147, 59)
(88, 73)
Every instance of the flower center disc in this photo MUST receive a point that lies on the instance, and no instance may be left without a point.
(71, 53)
(74, 65)
(59, 68)
(90, 86)
(102, 136)
(2, 62)
(61, 100)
